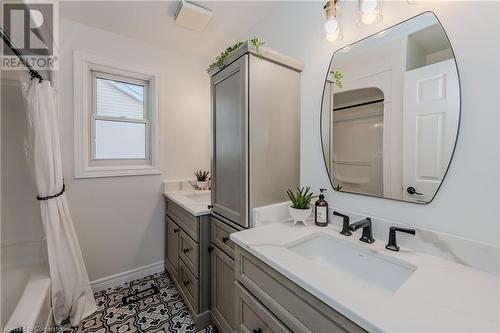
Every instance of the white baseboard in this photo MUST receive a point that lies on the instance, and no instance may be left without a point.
(127, 276)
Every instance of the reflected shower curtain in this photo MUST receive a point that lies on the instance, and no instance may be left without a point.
(71, 293)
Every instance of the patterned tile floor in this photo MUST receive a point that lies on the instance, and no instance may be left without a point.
(163, 312)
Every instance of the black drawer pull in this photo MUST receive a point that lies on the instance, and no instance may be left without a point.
(185, 283)
(186, 250)
(210, 248)
(210, 206)
(225, 239)
(257, 330)
(176, 230)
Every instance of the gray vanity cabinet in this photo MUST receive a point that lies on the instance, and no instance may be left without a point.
(229, 121)
(172, 246)
(251, 315)
(255, 114)
(255, 105)
(276, 304)
(187, 259)
(222, 290)
(222, 276)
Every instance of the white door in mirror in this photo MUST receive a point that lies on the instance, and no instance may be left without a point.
(430, 120)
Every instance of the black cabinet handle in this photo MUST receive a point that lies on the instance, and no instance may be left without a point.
(186, 250)
(412, 190)
(210, 206)
(185, 283)
(176, 230)
(210, 249)
(258, 330)
(225, 239)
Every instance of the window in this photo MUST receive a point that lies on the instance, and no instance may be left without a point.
(119, 121)
(115, 121)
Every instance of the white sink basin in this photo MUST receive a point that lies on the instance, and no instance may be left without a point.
(200, 197)
(353, 263)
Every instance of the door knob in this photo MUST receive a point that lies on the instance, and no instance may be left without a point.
(411, 190)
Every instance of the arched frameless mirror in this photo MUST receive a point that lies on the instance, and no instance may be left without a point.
(391, 112)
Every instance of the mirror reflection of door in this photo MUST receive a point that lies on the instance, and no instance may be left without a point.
(390, 112)
(429, 127)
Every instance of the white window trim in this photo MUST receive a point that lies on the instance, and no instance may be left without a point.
(84, 64)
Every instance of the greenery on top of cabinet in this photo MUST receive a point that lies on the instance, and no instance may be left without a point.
(219, 61)
(337, 76)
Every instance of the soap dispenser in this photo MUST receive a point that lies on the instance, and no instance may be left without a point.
(321, 210)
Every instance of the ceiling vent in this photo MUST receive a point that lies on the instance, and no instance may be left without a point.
(192, 16)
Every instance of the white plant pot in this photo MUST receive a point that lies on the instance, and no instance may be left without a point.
(300, 215)
(202, 185)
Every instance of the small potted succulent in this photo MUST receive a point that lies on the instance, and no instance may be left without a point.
(300, 210)
(202, 179)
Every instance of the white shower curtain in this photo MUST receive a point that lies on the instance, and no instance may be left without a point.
(71, 293)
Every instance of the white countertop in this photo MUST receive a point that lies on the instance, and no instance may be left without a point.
(194, 201)
(439, 296)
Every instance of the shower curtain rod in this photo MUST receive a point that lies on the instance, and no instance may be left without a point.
(32, 71)
(360, 104)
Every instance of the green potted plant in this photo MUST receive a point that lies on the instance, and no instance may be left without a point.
(202, 179)
(300, 210)
(219, 61)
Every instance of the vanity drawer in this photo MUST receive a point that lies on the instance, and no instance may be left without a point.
(188, 222)
(220, 236)
(189, 251)
(291, 304)
(189, 287)
(251, 316)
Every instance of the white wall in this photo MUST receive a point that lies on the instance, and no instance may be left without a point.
(467, 203)
(119, 220)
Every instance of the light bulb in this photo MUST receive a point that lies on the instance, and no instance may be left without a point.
(369, 18)
(368, 6)
(332, 36)
(331, 25)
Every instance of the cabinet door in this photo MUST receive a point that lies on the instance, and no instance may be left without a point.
(229, 142)
(251, 316)
(222, 291)
(172, 247)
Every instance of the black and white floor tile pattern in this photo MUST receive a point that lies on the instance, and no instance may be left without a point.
(162, 312)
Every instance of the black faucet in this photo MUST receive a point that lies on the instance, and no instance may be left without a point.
(392, 244)
(345, 224)
(366, 224)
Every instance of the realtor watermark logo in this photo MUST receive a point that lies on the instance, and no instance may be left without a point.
(32, 29)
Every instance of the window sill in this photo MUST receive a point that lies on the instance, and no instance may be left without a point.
(96, 172)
